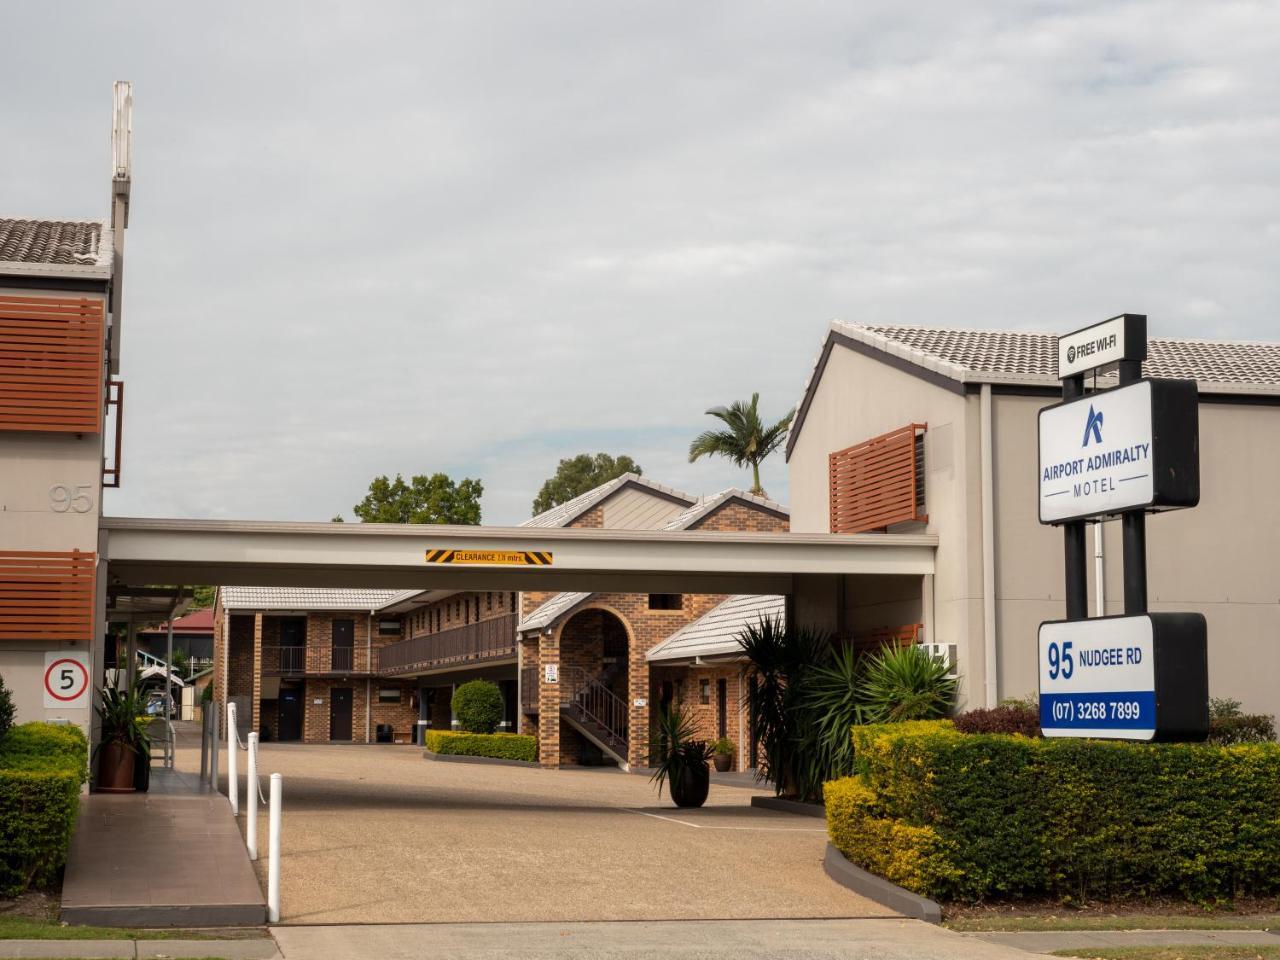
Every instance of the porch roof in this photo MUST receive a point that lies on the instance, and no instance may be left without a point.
(715, 633)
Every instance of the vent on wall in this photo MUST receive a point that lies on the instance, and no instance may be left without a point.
(46, 595)
(51, 364)
(878, 482)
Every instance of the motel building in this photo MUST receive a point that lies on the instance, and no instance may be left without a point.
(913, 470)
(323, 665)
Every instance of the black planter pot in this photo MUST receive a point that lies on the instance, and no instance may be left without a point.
(142, 771)
(689, 787)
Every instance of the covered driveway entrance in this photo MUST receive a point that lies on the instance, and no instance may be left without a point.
(378, 834)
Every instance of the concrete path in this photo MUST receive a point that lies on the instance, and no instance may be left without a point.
(690, 940)
(264, 949)
(378, 834)
(1049, 940)
(168, 858)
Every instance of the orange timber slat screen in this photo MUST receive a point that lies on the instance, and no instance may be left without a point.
(51, 364)
(46, 595)
(878, 482)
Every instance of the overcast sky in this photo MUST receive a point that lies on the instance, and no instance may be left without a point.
(476, 238)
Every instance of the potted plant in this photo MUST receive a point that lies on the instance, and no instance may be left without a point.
(124, 739)
(680, 759)
(724, 749)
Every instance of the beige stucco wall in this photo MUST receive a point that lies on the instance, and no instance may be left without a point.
(1219, 559)
(30, 464)
(859, 397)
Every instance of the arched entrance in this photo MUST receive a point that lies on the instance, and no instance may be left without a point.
(594, 725)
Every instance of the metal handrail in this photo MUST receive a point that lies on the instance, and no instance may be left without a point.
(284, 660)
(529, 692)
(595, 702)
(490, 639)
(342, 658)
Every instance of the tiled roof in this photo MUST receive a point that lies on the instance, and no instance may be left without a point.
(55, 247)
(550, 611)
(1016, 357)
(687, 518)
(570, 510)
(201, 621)
(308, 598)
(715, 634)
(1005, 356)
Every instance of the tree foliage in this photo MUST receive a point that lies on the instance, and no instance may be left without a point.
(745, 441)
(478, 706)
(576, 475)
(6, 709)
(433, 499)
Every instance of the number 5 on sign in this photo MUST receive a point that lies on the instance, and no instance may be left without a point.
(66, 679)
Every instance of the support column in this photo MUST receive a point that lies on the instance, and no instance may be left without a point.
(1073, 537)
(637, 716)
(548, 702)
(255, 705)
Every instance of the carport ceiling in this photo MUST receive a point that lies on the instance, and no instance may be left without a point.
(393, 556)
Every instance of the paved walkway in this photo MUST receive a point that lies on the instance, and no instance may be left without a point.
(703, 940)
(171, 857)
(1049, 940)
(378, 834)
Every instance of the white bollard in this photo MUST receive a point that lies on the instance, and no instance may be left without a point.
(251, 798)
(273, 850)
(233, 785)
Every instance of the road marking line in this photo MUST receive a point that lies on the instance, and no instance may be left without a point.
(705, 826)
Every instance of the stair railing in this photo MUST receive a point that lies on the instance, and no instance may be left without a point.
(595, 702)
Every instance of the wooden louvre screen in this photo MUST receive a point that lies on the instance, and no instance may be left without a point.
(878, 482)
(51, 364)
(46, 596)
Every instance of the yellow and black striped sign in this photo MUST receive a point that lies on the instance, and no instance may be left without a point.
(505, 558)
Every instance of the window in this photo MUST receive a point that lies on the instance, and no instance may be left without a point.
(704, 691)
(488, 601)
(477, 606)
(388, 627)
(389, 695)
(666, 601)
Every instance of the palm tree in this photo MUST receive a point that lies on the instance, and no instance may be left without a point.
(746, 441)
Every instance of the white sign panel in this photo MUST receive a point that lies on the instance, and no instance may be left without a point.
(551, 672)
(1095, 346)
(1095, 455)
(66, 679)
(1098, 679)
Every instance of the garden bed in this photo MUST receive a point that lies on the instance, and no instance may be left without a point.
(505, 747)
(969, 818)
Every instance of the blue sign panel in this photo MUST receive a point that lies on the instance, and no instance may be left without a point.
(1098, 678)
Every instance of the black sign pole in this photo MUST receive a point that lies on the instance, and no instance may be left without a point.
(1134, 528)
(1073, 536)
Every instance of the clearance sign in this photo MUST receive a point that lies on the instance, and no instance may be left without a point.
(498, 558)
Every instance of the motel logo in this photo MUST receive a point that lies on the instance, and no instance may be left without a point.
(1093, 427)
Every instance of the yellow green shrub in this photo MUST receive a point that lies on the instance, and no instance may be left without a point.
(502, 746)
(985, 816)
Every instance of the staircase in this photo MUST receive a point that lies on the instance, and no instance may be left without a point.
(594, 711)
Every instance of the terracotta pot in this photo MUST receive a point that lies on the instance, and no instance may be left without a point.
(689, 788)
(723, 762)
(115, 768)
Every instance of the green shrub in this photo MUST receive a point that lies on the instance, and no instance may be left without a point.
(478, 706)
(1229, 724)
(989, 816)
(6, 709)
(503, 746)
(1015, 717)
(42, 767)
(906, 683)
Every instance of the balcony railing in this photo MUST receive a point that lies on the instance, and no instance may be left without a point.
(480, 642)
(284, 661)
(343, 659)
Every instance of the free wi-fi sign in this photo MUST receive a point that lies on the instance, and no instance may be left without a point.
(499, 558)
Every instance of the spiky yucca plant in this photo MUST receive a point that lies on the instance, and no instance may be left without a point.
(906, 683)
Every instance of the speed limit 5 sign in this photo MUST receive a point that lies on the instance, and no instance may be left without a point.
(66, 679)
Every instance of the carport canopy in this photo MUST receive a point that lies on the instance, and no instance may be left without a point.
(425, 557)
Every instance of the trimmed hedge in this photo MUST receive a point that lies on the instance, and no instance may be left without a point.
(478, 706)
(990, 816)
(42, 767)
(501, 746)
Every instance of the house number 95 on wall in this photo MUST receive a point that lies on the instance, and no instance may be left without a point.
(71, 498)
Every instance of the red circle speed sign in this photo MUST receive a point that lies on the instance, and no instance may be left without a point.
(66, 679)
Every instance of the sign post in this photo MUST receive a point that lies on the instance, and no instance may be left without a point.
(1122, 452)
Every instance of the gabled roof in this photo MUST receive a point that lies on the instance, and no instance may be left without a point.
(550, 611)
(570, 510)
(1020, 358)
(201, 621)
(715, 633)
(55, 248)
(308, 598)
(705, 506)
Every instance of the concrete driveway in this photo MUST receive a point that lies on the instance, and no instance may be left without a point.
(379, 834)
